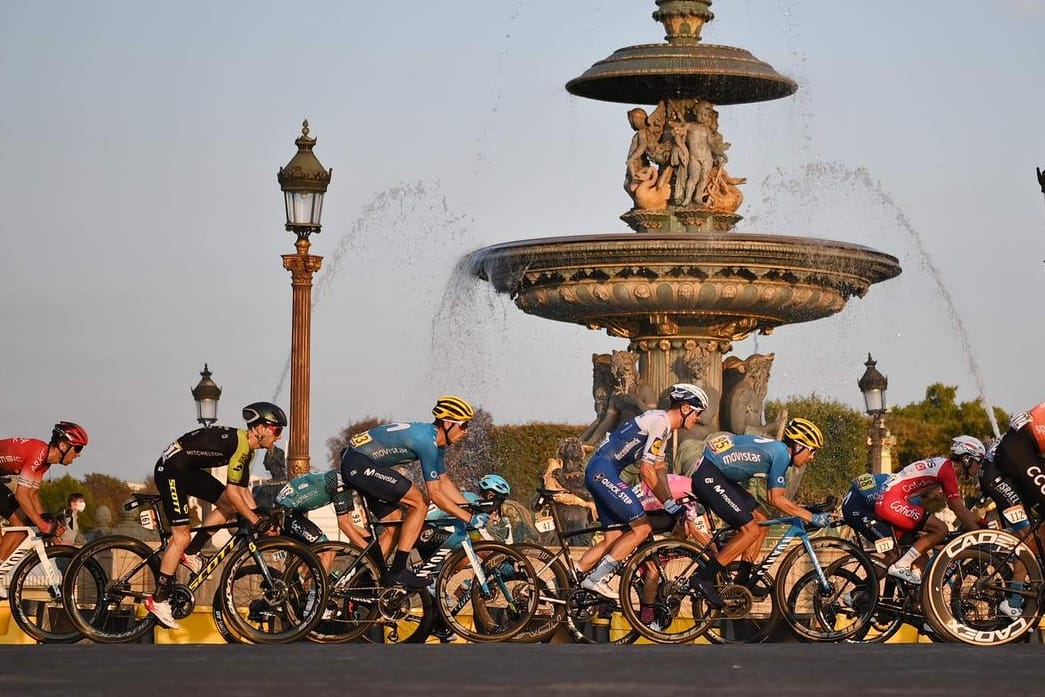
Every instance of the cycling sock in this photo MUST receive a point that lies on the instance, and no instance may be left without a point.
(711, 570)
(199, 541)
(399, 561)
(606, 567)
(647, 614)
(908, 559)
(164, 587)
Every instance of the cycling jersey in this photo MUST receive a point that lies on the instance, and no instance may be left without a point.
(869, 487)
(1033, 421)
(179, 472)
(639, 439)
(207, 448)
(315, 490)
(397, 443)
(896, 506)
(681, 488)
(858, 506)
(26, 458)
(741, 457)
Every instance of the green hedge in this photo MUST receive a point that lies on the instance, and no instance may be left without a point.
(520, 453)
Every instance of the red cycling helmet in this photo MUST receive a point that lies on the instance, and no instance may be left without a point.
(67, 430)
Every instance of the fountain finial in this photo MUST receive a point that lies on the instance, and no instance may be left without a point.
(683, 19)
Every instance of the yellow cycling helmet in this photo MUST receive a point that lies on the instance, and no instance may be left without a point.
(804, 432)
(450, 408)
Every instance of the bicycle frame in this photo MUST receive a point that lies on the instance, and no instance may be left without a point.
(32, 543)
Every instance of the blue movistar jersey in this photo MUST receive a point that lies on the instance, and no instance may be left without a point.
(394, 444)
(741, 457)
(641, 438)
(869, 486)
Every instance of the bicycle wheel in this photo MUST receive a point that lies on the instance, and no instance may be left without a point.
(503, 608)
(36, 596)
(363, 611)
(658, 576)
(891, 610)
(273, 594)
(553, 584)
(748, 618)
(593, 619)
(823, 608)
(969, 578)
(104, 586)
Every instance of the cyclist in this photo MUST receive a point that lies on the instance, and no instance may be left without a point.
(641, 439)
(494, 489)
(181, 472)
(728, 461)
(896, 507)
(1001, 489)
(317, 489)
(366, 466)
(28, 459)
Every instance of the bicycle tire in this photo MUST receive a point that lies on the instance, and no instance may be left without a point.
(683, 615)
(554, 582)
(888, 616)
(281, 608)
(755, 627)
(115, 616)
(412, 612)
(36, 608)
(965, 584)
(827, 615)
(507, 608)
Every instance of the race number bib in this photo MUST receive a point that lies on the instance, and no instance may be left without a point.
(720, 444)
(884, 545)
(360, 439)
(544, 523)
(865, 482)
(1015, 514)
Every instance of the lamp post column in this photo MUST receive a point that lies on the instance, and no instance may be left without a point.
(304, 182)
(301, 266)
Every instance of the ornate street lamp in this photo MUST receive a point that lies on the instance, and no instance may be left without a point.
(304, 182)
(873, 384)
(206, 393)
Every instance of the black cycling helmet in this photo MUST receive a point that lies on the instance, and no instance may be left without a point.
(264, 413)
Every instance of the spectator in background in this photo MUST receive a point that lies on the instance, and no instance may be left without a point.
(71, 518)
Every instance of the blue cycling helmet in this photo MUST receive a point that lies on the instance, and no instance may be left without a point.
(495, 483)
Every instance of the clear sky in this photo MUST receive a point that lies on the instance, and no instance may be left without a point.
(143, 224)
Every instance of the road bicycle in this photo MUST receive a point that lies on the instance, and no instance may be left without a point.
(812, 589)
(33, 576)
(484, 591)
(271, 589)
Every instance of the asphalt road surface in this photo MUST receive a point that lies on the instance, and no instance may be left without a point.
(300, 670)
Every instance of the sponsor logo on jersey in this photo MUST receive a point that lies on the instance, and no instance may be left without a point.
(740, 456)
(371, 472)
(628, 447)
(904, 510)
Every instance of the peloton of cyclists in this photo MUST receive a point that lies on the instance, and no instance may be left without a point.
(366, 466)
(28, 459)
(729, 460)
(181, 472)
(641, 439)
(896, 507)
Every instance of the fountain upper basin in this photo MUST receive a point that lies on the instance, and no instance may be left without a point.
(722, 285)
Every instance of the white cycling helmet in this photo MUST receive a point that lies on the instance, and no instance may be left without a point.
(968, 446)
(690, 394)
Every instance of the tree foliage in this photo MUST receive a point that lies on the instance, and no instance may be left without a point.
(844, 454)
(924, 429)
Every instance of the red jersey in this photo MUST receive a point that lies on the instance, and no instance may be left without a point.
(918, 477)
(25, 457)
(1033, 419)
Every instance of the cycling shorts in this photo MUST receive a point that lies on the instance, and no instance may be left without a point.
(177, 485)
(859, 515)
(726, 498)
(382, 487)
(1019, 459)
(616, 502)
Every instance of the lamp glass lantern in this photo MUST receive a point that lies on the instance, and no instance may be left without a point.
(873, 384)
(206, 393)
(304, 182)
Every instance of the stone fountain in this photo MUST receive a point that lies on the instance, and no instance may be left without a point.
(683, 286)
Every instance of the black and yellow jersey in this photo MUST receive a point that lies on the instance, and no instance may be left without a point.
(206, 448)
